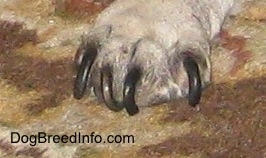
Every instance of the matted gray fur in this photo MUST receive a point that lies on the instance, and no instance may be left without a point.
(153, 37)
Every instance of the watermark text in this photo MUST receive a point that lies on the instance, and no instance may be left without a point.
(77, 137)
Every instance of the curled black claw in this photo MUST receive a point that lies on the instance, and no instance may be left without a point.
(194, 81)
(129, 103)
(83, 74)
(97, 84)
(107, 82)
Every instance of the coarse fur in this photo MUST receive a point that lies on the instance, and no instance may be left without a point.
(155, 36)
